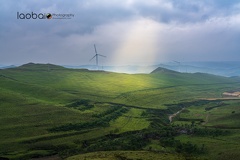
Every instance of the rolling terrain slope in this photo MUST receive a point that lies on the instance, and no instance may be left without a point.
(50, 110)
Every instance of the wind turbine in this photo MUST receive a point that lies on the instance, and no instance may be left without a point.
(178, 65)
(96, 55)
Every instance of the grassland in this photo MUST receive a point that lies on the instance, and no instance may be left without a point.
(222, 115)
(50, 110)
(116, 155)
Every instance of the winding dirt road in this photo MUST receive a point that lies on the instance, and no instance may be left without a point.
(174, 115)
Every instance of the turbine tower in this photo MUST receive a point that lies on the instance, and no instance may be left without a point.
(96, 55)
(178, 65)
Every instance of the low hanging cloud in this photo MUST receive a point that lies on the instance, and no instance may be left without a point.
(127, 32)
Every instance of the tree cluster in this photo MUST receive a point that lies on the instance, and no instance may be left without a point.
(102, 121)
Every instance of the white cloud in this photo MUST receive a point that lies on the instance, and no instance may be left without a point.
(131, 31)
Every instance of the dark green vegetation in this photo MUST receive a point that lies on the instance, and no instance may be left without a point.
(50, 110)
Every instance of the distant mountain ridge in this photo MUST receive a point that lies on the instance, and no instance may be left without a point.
(5, 67)
(39, 65)
(228, 69)
(163, 70)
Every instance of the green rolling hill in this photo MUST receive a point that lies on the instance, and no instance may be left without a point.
(50, 110)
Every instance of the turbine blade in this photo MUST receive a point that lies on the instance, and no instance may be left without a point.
(102, 55)
(93, 57)
(176, 61)
(95, 48)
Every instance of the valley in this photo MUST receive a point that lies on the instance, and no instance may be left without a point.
(51, 111)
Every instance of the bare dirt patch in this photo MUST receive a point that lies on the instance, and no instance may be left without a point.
(231, 94)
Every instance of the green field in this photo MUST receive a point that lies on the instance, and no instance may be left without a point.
(116, 155)
(47, 110)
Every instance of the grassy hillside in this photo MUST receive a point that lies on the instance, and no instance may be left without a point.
(47, 109)
(216, 124)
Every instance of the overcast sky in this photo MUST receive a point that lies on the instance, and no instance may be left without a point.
(126, 31)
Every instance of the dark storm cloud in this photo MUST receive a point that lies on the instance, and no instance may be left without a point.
(88, 15)
(197, 28)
